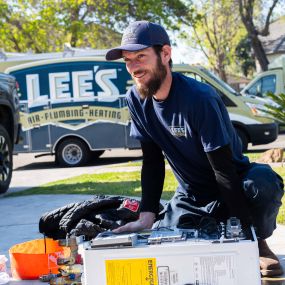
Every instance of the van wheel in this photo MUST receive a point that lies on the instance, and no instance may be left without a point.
(243, 138)
(97, 153)
(6, 160)
(72, 152)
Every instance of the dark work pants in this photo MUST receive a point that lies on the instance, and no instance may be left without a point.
(262, 186)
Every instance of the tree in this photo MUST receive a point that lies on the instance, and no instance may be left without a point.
(246, 11)
(217, 31)
(25, 26)
(244, 57)
(45, 25)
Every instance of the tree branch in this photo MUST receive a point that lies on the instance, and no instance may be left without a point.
(199, 43)
(265, 30)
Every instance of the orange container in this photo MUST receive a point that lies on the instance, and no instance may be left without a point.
(31, 259)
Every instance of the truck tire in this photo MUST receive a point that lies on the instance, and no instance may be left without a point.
(244, 140)
(6, 160)
(72, 152)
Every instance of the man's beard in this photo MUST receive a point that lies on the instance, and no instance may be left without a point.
(152, 86)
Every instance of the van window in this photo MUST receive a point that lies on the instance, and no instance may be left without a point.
(194, 76)
(262, 86)
(268, 84)
(227, 101)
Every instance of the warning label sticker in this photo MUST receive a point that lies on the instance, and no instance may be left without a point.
(215, 269)
(141, 271)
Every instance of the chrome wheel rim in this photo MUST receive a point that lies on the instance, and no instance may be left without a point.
(72, 154)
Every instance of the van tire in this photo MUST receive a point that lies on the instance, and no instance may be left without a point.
(6, 160)
(72, 152)
(243, 137)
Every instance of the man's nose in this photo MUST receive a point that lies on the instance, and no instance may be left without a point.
(132, 66)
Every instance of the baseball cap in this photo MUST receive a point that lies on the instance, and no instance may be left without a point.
(137, 36)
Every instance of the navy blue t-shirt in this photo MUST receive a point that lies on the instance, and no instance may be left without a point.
(192, 120)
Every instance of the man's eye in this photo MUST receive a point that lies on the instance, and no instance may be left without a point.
(140, 56)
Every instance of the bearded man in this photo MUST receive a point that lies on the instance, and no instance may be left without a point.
(186, 122)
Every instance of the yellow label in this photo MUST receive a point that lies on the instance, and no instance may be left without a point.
(141, 271)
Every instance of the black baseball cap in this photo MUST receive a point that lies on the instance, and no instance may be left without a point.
(139, 35)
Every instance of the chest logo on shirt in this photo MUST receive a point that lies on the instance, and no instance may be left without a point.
(178, 131)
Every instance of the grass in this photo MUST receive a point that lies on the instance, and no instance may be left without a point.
(253, 156)
(111, 183)
(121, 183)
(281, 215)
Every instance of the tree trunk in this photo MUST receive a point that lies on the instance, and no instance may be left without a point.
(259, 52)
(222, 74)
(222, 67)
(74, 38)
(246, 12)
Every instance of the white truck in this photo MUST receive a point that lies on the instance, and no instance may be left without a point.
(272, 80)
(73, 105)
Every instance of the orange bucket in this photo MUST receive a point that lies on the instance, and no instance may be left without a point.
(31, 259)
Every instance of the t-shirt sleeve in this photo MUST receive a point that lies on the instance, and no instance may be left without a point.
(137, 129)
(212, 121)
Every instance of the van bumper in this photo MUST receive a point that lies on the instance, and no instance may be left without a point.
(262, 133)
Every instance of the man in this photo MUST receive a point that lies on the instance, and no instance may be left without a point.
(186, 121)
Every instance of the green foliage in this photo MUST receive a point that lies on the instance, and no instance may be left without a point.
(217, 31)
(276, 110)
(244, 56)
(45, 25)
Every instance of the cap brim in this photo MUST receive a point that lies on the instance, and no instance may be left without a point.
(116, 52)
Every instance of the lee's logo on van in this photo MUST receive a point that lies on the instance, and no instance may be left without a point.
(74, 86)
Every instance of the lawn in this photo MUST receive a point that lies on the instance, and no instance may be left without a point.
(116, 183)
(253, 156)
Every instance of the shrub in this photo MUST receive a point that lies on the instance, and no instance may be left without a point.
(277, 109)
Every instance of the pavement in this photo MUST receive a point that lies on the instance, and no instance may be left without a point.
(19, 223)
(19, 216)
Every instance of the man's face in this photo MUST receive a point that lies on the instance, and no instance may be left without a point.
(146, 69)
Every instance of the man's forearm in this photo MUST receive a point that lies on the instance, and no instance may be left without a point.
(152, 177)
(229, 183)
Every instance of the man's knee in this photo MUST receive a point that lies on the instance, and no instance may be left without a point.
(262, 185)
(264, 190)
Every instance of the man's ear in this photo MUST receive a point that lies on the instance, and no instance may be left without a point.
(166, 54)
